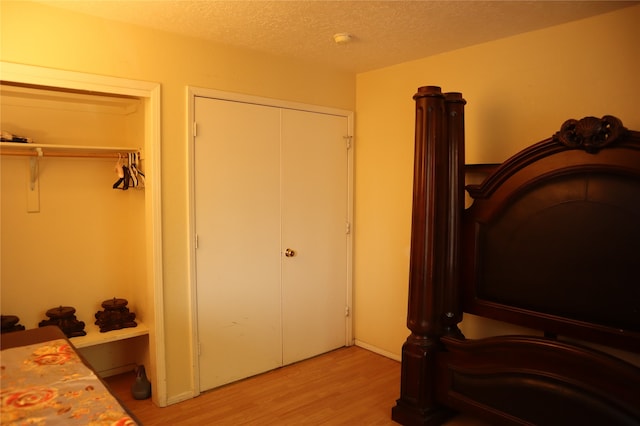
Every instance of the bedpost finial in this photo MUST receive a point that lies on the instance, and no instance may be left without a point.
(430, 89)
(590, 133)
(454, 97)
(426, 91)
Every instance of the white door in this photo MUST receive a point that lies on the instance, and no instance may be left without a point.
(314, 225)
(268, 179)
(237, 181)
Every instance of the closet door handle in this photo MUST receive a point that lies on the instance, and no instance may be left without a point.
(289, 252)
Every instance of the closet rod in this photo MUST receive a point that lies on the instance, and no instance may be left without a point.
(74, 154)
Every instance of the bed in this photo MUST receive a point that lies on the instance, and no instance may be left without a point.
(46, 381)
(550, 243)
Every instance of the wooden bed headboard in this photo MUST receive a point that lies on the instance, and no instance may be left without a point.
(551, 243)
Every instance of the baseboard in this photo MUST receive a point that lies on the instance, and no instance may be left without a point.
(117, 370)
(378, 351)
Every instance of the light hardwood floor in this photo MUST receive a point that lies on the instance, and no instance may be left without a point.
(348, 386)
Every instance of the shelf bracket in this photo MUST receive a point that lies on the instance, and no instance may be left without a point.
(33, 193)
(33, 169)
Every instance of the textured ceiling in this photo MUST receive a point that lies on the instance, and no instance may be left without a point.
(384, 32)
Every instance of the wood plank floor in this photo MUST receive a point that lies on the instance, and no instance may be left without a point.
(347, 386)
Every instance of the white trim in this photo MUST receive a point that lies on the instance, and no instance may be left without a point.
(378, 351)
(191, 244)
(28, 74)
(153, 145)
(258, 100)
(192, 93)
(150, 92)
(181, 397)
(350, 239)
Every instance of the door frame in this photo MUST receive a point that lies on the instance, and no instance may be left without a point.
(192, 93)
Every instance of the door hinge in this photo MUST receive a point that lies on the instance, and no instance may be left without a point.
(195, 129)
(346, 311)
(196, 240)
(348, 228)
(348, 141)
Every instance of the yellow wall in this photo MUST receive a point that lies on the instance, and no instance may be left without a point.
(43, 36)
(519, 90)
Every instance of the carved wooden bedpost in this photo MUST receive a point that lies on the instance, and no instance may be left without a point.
(433, 308)
(454, 110)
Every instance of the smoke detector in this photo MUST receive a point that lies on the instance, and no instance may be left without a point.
(342, 38)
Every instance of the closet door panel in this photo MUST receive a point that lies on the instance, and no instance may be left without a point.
(314, 225)
(237, 173)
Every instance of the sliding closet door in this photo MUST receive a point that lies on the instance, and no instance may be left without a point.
(237, 203)
(314, 225)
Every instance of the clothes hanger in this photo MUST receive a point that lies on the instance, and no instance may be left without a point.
(132, 170)
(138, 173)
(123, 174)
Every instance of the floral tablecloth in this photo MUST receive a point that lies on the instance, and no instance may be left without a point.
(48, 384)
